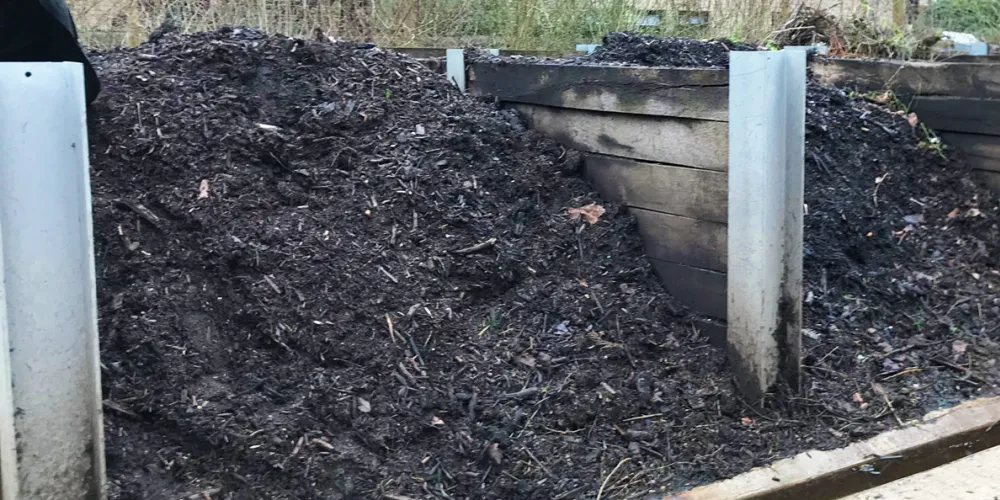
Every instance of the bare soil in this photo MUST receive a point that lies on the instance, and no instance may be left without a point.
(324, 273)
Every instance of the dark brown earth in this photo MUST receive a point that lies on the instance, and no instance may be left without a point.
(324, 273)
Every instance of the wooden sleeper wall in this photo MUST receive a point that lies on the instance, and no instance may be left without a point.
(655, 139)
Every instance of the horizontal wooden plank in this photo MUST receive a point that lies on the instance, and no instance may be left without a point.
(678, 92)
(959, 114)
(971, 478)
(986, 146)
(427, 53)
(701, 290)
(683, 240)
(941, 437)
(677, 141)
(911, 77)
(691, 192)
(990, 178)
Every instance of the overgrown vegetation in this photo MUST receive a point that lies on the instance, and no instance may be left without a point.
(543, 24)
(980, 17)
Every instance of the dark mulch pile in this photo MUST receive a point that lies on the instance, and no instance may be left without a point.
(649, 50)
(324, 273)
(900, 263)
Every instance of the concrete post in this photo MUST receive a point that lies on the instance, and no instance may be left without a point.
(455, 65)
(51, 436)
(766, 165)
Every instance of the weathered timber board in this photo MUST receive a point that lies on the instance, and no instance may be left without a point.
(941, 437)
(911, 78)
(683, 240)
(677, 141)
(986, 146)
(427, 53)
(959, 114)
(677, 92)
(991, 179)
(690, 192)
(971, 478)
(701, 290)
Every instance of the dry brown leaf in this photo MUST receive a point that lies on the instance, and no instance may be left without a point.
(203, 189)
(883, 98)
(591, 213)
(746, 421)
(954, 213)
(912, 119)
(858, 399)
(436, 421)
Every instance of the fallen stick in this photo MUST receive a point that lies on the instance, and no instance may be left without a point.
(478, 247)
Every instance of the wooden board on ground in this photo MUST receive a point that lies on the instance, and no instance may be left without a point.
(701, 290)
(941, 437)
(683, 240)
(678, 92)
(971, 478)
(959, 114)
(677, 141)
(689, 192)
(911, 77)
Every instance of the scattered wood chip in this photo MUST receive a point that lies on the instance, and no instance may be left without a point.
(436, 421)
(495, 453)
(364, 406)
(912, 119)
(268, 128)
(322, 444)
(203, 189)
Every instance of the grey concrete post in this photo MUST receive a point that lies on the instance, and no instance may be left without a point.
(51, 434)
(766, 165)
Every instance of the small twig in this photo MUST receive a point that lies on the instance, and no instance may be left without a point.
(416, 351)
(392, 331)
(642, 417)
(540, 464)
(960, 368)
(478, 247)
(141, 211)
(393, 278)
(531, 391)
(600, 492)
(322, 444)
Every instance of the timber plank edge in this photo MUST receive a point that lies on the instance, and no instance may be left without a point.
(677, 92)
(940, 437)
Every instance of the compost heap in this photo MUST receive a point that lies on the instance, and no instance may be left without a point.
(324, 273)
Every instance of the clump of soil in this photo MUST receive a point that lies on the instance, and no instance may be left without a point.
(325, 273)
(649, 50)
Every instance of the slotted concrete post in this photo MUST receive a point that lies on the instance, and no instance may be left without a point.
(51, 438)
(766, 172)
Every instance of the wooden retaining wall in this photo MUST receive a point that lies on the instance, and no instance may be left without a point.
(655, 139)
(959, 100)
